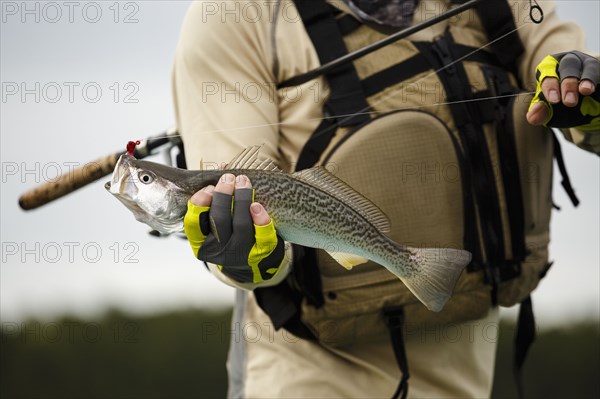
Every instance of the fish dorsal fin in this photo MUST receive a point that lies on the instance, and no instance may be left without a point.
(320, 178)
(248, 159)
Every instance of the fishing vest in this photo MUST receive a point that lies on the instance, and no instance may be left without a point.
(434, 133)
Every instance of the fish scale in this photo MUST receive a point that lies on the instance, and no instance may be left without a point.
(312, 208)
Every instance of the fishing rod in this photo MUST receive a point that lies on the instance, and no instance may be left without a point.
(338, 62)
(330, 66)
(92, 171)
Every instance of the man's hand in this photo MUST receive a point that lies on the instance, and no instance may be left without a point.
(567, 95)
(225, 227)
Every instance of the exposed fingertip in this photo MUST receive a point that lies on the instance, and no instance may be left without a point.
(226, 184)
(260, 217)
(228, 178)
(202, 197)
(242, 181)
(537, 114)
(531, 119)
(586, 87)
(553, 96)
(570, 99)
(256, 208)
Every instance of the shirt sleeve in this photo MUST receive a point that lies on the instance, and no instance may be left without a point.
(223, 83)
(224, 92)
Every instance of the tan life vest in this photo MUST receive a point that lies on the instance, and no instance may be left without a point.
(452, 162)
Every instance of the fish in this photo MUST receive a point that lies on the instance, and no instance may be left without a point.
(312, 208)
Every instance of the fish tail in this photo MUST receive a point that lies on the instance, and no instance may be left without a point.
(436, 271)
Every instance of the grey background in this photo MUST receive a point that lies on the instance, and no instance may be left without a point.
(44, 280)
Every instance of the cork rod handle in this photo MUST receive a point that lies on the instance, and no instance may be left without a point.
(68, 182)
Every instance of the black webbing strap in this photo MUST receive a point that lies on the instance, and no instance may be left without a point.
(499, 84)
(307, 275)
(560, 162)
(283, 308)
(497, 19)
(347, 104)
(395, 321)
(466, 117)
(524, 337)
(316, 144)
(282, 303)
(348, 24)
(346, 93)
(418, 64)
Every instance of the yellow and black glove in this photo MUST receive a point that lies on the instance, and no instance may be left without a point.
(225, 235)
(574, 64)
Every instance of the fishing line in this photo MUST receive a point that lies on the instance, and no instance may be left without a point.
(363, 113)
(401, 88)
(398, 90)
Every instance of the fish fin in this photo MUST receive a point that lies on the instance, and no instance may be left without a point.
(322, 179)
(248, 159)
(347, 260)
(438, 272)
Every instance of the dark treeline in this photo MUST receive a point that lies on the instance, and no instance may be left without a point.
(182, 355)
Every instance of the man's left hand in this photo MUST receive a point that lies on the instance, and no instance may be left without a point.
(567, 94)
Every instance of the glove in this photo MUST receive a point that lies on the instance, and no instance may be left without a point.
(585, 115)
(243, 251)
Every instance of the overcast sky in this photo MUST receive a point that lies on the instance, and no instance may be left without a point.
(101, 71)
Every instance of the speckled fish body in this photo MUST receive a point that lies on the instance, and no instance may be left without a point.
(311, 208)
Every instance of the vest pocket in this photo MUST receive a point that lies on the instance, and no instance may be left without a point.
(409, 164)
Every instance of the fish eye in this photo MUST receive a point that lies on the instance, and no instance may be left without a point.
(145, 177)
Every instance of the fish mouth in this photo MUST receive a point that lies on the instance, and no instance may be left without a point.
(122, 186)
(121, 179)
(143, 204)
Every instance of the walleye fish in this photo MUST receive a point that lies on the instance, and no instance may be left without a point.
(311, 208)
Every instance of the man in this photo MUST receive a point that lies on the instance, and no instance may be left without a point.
(230, 58)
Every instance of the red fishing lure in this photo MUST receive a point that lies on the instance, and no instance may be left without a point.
(131, 147)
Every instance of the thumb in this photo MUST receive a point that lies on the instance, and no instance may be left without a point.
(537, 114)
(203, 197)
(260, 217)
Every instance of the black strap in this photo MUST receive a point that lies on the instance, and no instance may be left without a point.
(394, 37)
(282, 303)
(498, 21)
(499, 84)
(307, 275)
(348, 24)
(282, 306)
(418, 64)
(566, 181)
(476, 153)
(524, 337)
(395, 321)
(346, 92)
(395, 74)
(347, 104)
(316, 145)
